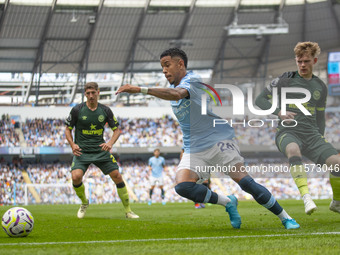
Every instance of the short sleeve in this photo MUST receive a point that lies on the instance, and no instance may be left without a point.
(111, 120)
(189, 82)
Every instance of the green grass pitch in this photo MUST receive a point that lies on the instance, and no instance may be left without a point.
(176, 228)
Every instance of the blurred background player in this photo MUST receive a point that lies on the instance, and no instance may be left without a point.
(89, 119)
(307, 137)
(204, 144)
(156, 166)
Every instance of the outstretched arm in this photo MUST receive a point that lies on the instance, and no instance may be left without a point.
(263, 102)
(163, 93)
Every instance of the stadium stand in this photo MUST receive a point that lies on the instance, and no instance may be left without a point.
(8, 136)
(101, 189)
(142, 132)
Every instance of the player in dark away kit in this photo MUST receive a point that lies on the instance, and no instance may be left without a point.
(89, 119)
(304, 136)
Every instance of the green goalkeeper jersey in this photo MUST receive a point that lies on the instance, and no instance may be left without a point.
(90, 125)
(316, 105)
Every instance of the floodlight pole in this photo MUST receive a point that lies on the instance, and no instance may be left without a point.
(224, 41)
(38, 56)
(186, 21)
(37, 89)
(304, 20)
(135, 39)
(265, 47)
(4, 12)
(84, 62)
(131, 55)
(334, 15)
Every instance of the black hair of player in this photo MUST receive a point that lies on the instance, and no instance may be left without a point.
(175, 52)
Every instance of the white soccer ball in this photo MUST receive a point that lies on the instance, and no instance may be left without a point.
(17, 222)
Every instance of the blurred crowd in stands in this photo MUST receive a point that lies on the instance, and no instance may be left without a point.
(11, 184)
(8, 136)
(39, 132)
(143, 132)
(140, 132)
(101, 189)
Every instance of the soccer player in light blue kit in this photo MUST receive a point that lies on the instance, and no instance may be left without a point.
(204, 144)
(156, 164)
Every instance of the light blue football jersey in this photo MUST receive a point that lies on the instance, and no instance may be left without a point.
(157, 166)
(199, 133)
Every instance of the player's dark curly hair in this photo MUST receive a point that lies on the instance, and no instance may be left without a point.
(175, 52)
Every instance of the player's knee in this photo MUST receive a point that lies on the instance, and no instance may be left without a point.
(115, 175)
(77, 176)
(76, 179)
(333, 163)
(184, 189)
(292, 150)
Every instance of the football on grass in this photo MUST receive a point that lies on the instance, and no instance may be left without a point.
(17, 222)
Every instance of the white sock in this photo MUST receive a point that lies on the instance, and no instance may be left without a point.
(283, 215)
(222, 200)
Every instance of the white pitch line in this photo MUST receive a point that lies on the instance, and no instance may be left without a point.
(171, 239)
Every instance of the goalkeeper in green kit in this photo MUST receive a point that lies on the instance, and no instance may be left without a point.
(304, 135)
(89, 119)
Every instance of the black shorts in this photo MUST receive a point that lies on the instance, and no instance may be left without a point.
(312, 144)
(103, 160)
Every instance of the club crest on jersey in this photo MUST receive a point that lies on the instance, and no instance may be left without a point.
(101, 118)
(84, 117)
(316, 94)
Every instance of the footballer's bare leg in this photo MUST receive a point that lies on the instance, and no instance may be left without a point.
(187, 187)
(162, 194)
(77, 181)
(150, 194)
(261, 195)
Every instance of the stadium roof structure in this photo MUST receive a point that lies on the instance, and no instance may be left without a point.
(234, 38)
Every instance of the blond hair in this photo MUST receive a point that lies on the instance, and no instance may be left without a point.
(91, 85)
(307, 48)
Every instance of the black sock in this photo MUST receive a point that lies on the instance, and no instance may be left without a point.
(162, 193)
(150, 193)
(196, 192)
(260, 194)
(77, 186)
